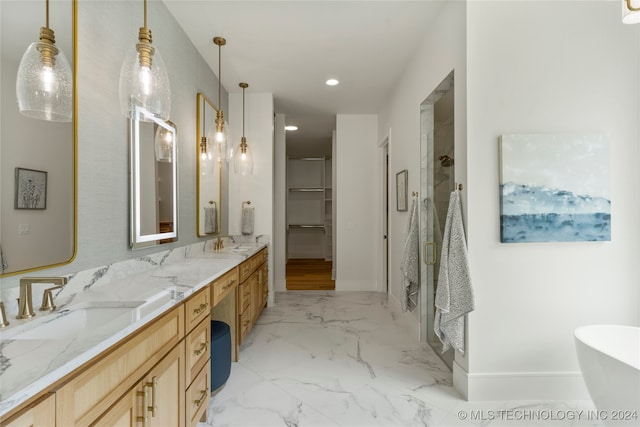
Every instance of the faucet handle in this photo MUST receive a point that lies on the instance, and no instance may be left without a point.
(47, 299)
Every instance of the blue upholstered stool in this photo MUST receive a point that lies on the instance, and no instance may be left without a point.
(220, 354)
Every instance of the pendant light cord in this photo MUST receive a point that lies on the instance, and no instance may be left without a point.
(47, 15)
(145, 13)
(243, 112)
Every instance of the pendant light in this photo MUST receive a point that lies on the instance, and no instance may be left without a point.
(631, 11)
(219, 132)
(164, 141)
(44, 84)
(143, 78)
(242, 158)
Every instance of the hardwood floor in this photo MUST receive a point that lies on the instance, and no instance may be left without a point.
(309, 275)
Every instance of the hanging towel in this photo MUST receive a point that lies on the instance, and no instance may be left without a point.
(454, 295)
(410, 261)
(210, 220)
(247, 220)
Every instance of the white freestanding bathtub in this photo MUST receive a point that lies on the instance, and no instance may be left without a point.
(609, 357)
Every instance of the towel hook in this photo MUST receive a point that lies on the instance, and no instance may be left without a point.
(248, 202)
(415, 194)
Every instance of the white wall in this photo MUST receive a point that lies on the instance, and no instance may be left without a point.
(258, 187)
(103, 213)
(443, 50)
(548, 73)
(280, 205)
(355, 196)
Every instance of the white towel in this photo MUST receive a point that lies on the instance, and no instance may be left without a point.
(410, 266)
(210, 220)
(454, 295)
(247, 221)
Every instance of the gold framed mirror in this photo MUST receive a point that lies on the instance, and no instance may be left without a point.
(153, 180)
(209, 172)
(35, 239)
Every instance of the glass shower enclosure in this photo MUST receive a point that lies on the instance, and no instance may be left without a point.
(437, 181)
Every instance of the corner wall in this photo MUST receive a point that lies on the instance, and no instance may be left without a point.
(355, 198)
(442, 50)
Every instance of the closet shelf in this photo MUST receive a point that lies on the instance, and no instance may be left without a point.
(307, 189)
(306, 226)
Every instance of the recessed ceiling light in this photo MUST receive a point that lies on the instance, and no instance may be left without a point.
(291, 127)
(332, 82)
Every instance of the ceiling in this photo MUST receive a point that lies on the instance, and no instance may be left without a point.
(290, 48)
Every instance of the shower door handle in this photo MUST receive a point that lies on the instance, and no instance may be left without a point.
(434, 255)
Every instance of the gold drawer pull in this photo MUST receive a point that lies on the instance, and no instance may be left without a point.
(145, 404)
(201, 308)
(154, 393)
(203, 396)
(202, 348)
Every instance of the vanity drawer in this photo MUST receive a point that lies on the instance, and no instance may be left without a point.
(198, 349)
(222, 286)
(245, 324)
(247, 267)
(197, 308)
(101, 384)
(198, 395)
(244, 299)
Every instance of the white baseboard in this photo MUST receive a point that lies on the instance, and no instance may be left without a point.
(519, 386)
(280, 285)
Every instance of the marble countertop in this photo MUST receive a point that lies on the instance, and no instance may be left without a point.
(29, 365)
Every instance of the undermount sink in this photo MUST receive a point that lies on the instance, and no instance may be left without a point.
(82, 320)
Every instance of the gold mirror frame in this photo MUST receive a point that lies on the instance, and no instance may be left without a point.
(74, 148)
(213, 169)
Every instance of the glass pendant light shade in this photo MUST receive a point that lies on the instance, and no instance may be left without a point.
(243, 158)
(164, 140)
(144, 85)
(44, 85)
(219, 135)
(631, 11)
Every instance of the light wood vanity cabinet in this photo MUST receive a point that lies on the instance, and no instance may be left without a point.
(41, 413)
(89, 394)
(166, 364)
(157, 400)
(254, 290)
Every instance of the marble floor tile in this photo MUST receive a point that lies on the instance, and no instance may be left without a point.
(342, 359)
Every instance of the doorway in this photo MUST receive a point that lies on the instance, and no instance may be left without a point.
(437, 181)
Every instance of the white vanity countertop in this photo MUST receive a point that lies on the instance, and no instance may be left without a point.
(27, 366)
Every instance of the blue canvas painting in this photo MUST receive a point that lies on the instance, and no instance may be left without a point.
(554, 188)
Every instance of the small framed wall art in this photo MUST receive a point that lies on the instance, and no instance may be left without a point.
(401, 190)
(31, 189)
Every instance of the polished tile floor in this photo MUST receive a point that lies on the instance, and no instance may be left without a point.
(320, 358)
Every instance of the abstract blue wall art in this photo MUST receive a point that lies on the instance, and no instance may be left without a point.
(554, 188)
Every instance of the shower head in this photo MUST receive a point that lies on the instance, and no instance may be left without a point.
(445, 161)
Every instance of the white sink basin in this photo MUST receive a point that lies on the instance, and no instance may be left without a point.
(84, 319)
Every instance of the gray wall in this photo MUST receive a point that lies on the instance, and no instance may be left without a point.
(106, 30)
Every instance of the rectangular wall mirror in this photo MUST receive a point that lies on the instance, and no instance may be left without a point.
(44, 237)
(153, 180)
(209, 167)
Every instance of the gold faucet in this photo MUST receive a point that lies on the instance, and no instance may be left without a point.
(25, 302)
(3, 316)
(219, 243)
